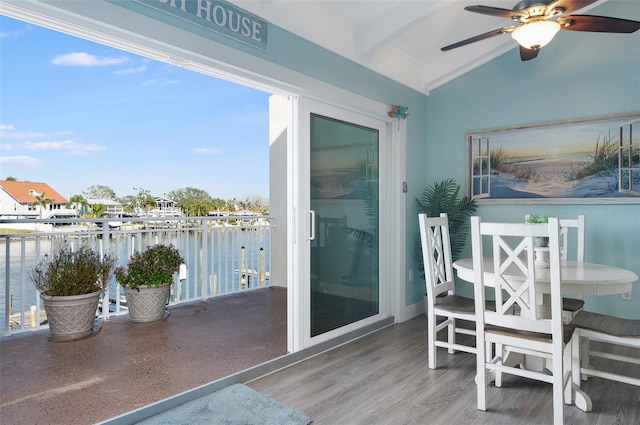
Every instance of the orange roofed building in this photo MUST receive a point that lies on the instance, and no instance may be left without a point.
(20, 199)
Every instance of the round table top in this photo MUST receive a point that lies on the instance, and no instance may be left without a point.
(577, 278)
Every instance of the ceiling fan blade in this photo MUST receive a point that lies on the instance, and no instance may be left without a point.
(598, 24)
(477, 38)
(528, 54)
(569, 6)
(493, 11)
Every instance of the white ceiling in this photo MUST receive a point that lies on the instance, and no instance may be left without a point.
(400, 39)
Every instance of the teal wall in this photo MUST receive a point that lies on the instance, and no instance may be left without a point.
(578, 75)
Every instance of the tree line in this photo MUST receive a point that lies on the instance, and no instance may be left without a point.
(192, 201)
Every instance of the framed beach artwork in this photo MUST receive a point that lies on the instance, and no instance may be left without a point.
(594, 160)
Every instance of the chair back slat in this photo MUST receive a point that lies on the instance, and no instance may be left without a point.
(517, 294)
(436, 254)
(566, 224)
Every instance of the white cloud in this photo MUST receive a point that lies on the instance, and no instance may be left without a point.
(68, 147)
(19, 160)
(157, 152)
(9, 132)
(85, 59)
(17, 33)
(127, 71)
(149, 83)
(207, 151)
(156, 82)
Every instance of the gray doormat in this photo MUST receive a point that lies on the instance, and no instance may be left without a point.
(234, 405)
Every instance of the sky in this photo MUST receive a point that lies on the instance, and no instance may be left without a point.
(74, 113)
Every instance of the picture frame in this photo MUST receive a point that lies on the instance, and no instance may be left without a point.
(591, 160)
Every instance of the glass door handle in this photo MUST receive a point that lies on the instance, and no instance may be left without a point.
(312, 223)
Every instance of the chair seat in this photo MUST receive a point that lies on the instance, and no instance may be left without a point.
(458, 304)
(567, 333)
(607, 324)
(572, 304)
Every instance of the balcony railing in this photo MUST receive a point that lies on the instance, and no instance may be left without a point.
(222, 255)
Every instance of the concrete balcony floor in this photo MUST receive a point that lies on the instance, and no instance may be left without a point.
(127, 366)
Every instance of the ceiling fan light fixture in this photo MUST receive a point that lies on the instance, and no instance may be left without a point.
(535, 34)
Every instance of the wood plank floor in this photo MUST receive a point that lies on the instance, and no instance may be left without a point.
(383, 378)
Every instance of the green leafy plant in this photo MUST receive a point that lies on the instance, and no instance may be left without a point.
(538, 218)
(445, 197)
(153, 267)
(68, 273)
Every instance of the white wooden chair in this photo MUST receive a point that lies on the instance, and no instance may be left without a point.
(516, 326)
(612, 331)
(571, 306)
(438, 271)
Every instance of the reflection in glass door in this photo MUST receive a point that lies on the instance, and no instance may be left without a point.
(344, 192)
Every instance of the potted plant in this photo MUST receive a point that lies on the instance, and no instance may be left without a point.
(540, 242)
(444, 197)
(147, 280)
(70, 285)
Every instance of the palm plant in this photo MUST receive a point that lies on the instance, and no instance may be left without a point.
(444, 197)
(98, 210)
(43, 201)
(78, 202)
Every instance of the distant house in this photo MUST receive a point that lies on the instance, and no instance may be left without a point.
(19, 199)
(165, 207)
(113, 208)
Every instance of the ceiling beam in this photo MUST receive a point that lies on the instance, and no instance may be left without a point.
(385, 28)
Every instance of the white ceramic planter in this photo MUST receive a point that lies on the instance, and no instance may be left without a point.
(542, 257)
(73, 317)
(147, 304)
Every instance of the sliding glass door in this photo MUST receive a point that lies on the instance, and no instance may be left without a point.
(341, 155)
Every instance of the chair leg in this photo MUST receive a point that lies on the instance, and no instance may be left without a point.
(584, 356)
(481, 377)
(498, 352)
(431, 340)
(576, 354)
(568, 373)
(451, 329)
(558, 393)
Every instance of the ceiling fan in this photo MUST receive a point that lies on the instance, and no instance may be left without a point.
(538, 21)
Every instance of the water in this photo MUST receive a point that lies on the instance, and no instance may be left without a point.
(213, 262)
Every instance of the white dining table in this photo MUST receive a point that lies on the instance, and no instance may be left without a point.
(577, 279)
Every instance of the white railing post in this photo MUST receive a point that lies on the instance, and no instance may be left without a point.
(204, 264)
(7, 289)
(261, 266)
